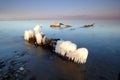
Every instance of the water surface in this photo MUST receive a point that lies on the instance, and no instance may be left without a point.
(102, 41)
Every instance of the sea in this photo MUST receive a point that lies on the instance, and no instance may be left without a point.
(20, 60)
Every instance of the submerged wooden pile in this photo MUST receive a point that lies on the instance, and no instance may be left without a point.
(61, 47)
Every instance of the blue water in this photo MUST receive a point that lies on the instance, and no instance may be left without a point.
(102, 41)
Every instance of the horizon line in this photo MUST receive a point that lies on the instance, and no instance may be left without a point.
(62, 18)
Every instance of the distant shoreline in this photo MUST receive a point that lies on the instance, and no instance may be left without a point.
(51, 19)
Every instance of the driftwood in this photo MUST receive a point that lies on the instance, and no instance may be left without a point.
(62, 48)
(48, 43)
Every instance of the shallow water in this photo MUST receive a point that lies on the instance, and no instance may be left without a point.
(102, 41)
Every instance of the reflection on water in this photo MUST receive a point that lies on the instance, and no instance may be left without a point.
(46, 65)
(102, 41)
(71, 71)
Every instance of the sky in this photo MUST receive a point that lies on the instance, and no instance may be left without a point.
(43, 9)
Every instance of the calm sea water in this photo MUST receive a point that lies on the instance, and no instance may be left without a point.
(102, 41)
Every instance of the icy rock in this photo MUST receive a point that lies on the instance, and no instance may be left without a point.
(21, 68)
